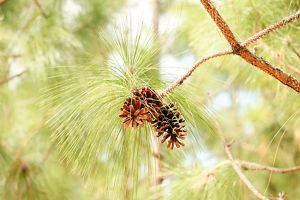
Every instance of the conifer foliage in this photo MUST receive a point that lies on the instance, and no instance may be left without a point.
(88, 89)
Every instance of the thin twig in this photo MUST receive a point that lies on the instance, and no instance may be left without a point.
(271, 28)
(13, 56)
(294, 49)
(245, 165)
(252, 166)
(236, 166)
(7, 79)
(189, 72)
(39, 6)
(156, 162)
(239, 166)
(241, 175)
(292, 68)
(280, 59)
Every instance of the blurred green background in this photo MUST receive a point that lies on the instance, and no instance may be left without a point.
(66, 68)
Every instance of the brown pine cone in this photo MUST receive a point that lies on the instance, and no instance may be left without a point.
(169, 123)
(134, 113)
(146, 105)
(148, 95)
(151, 99)
(141, 107)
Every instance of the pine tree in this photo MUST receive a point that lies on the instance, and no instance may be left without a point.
(92, 105)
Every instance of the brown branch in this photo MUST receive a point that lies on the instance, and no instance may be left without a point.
(39, 6)
(189, 73)
(213, 12)
(252, 166)
(241, 175)
(245, 165)
(7, 79)
(271, 28)
(2, 2)
(249, 57)
(277, 73)
(235, 165)
(240, 50)
(239, 166)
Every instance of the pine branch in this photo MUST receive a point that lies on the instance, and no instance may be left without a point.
(40, 8)
(249, 57)
(277, 73)
(237, 168)
(271, 28)
(239, 49)
(252, 166)
(239, 172)
(189, 73)
(222, 25)
(245, 165)
(7, 79)
(2, 2)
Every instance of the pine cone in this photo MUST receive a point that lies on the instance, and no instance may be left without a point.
(134, 113)
(146, 105)
(141, 107)
(151, 99)
(169, 123)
